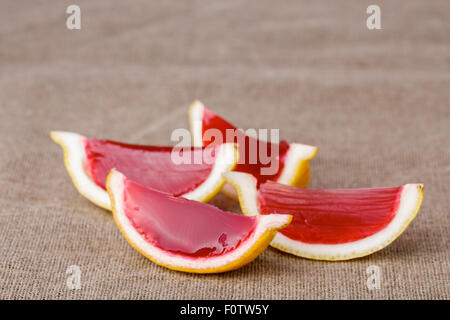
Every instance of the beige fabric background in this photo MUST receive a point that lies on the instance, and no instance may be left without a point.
(376, 103)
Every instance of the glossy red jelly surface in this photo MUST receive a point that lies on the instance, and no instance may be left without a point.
(330, 216)
(212, 121)
(148, 165)
(184, 226)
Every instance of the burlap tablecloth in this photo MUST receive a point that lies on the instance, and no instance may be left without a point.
(376, 103)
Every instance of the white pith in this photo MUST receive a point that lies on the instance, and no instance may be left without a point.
(225, 161)
(195, 122)
(177, 261)
(410, 200)
(295, 155)
(74, 147)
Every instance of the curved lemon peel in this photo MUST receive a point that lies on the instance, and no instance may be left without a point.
(257, 248)
(245, 186)
(56, 137)
(296, 163)
(74, 163)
